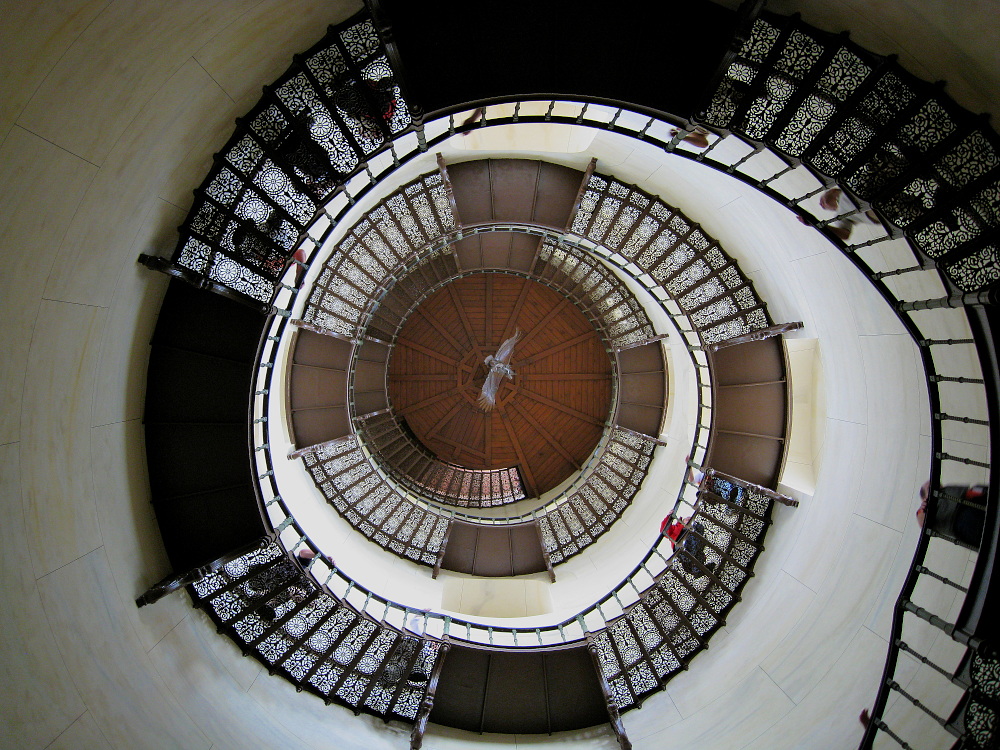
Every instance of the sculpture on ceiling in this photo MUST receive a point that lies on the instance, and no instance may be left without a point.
(499, 369)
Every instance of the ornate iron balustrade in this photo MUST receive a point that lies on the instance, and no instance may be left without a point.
(572, 526)
(673, 251)
(931, 171)
(329, 635)
(293, 538)
(657, 636)
(779, 177)
(341, 588)
(620, 316)
(898, 144)
(895, 143)
(967, 205)
(378, 249)
(331, 113)
(322, 643)
(414, 528)
(697, 355)
(387, 247)
(399, 251)
(322, 570)
(373, 505)
(412, 465)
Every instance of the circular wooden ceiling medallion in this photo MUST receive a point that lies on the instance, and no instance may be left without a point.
(547, 419)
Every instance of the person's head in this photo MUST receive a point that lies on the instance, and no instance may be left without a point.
(266, 612)
(925, 490)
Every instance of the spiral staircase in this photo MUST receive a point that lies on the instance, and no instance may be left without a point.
(279, 190)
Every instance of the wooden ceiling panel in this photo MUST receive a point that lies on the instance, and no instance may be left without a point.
(547, 419)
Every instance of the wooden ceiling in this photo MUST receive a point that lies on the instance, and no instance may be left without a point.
(547, 419)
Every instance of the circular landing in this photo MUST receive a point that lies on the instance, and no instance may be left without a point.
(547, 419)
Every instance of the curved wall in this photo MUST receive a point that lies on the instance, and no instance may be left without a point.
(110, 112)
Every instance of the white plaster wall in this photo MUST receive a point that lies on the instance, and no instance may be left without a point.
(109, 113)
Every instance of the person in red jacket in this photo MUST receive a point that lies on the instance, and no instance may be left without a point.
(693, 544)
(957, 512)
(697, 137)
(672, 528)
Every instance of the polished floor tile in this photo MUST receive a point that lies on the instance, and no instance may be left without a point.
(827, 716)
(742, 711)
(853, 577)
(756, 627)
(318, 725)
(895, 421)
(216, 703)
(33, 37)
(821, 526)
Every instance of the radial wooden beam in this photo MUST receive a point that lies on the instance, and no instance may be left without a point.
(547, 436)
(529, 479)
(546, 319)
(568, 376)
(449, 415)
(488, 437)
(454, 428)
(461, 447)
(422, 378)
(555, 349)
(522, 297)
(466, 323)
(563, 408)
(488, 299)
(418, 405)
(438, 326)
(429, 352)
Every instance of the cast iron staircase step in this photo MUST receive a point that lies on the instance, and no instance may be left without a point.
(494, 551)
(525, 692)
(186, 457)
(198, 386)
(514, 190)
(188, 386)
(202, 527)
(750, 423)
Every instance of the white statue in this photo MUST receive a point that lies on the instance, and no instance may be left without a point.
(499, 369)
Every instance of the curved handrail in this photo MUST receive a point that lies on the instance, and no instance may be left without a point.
(695, 348)
(450, 484)
(772, 186)
(930, 173)
(657, 131)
